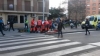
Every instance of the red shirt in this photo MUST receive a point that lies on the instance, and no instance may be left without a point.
(39, 22)
(46, 22)
(32, 23)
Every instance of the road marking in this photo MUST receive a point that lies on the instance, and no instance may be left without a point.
(31, 45)
(68, 51)
(42, 49)
(23, 39)
(96, 44)
(14, 43)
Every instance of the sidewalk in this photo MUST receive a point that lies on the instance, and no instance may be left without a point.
(94, 53)
(69, 30)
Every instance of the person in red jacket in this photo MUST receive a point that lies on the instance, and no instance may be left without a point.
(32, 25)
(39, 24)
(46, 23)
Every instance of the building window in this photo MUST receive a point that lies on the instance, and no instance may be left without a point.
(99, 12)
(94, 12)
(88, 0)
(40, 6)
(13, 17)
(93, 0)
(21, 19)
(40, 17)
(94, 4)
(99, 4)
(27, 5)
(88, 8)
(94, 8)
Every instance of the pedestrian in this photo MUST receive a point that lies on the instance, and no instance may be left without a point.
(11, 25)
(60, 26)
(87, 23)
(33, 25)
(1, 26)
(46, 23)
(39, 25)
(26, 24)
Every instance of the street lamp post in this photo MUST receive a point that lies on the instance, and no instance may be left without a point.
(43, 9)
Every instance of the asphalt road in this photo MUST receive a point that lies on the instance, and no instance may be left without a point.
(27, 44)
(81, 37)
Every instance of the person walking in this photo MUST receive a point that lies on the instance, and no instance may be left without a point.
(87, 23)
(60, 26)
(26, 24)
(11, 25)
(1, 26)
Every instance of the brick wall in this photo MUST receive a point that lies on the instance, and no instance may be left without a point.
(19, 5)
(1, 4)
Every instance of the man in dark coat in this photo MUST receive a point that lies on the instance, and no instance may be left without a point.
(1, 26)
(60, 26)
(11, 25)
(87, 23)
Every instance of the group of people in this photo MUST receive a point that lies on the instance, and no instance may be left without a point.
(45, 26)
(39, 25)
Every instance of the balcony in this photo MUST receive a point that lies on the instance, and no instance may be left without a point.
(13, 8)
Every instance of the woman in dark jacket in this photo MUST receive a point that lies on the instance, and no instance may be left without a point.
(87, 23)
(60, 26)
(1, 26)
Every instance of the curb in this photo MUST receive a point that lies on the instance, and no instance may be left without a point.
(78, 31)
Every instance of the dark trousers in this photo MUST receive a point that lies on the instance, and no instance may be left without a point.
(2, 32)
(32, 29)
(39, 27)
(87, 30)
(60, 33)
(26, 26)
(11, 27)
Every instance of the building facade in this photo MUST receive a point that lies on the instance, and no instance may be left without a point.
(92, 7)
(18, 10)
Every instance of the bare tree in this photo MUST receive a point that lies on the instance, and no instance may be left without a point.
(76, 9)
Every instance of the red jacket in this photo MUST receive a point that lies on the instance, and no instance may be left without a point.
(39, 22)
(32, 23)
(46, 22)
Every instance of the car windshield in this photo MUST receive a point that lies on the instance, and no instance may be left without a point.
(91, 18)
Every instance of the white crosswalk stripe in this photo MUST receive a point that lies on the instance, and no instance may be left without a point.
(96, 44)
(20, 39)
(67, 51)
(21, 46)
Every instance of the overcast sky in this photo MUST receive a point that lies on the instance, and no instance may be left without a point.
(54, 3)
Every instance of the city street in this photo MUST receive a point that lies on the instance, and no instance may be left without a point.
(26, 44)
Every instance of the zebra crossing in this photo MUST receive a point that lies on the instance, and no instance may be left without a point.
(44, 45)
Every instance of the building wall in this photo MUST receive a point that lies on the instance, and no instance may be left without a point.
(19, 5)
(92, 7)
(1, 4)
(22, 7)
